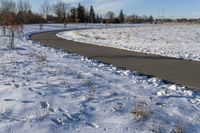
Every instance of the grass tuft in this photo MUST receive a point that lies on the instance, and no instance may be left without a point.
(141, 110)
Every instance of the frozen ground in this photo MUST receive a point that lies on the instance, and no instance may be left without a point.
(180, 41)
(45, 90)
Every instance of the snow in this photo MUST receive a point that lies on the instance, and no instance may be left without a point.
(47, 90)
(179, 41)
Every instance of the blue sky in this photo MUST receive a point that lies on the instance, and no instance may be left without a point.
(172, 8)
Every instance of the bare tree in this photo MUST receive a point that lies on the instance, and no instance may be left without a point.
(46, 8)
(24, 6)
(60, 9)
(13, 27)
(20, 6)
(3, 27)
(110, 16)
(6, 7)
(41, 26)
(10, 22)
(65, 23)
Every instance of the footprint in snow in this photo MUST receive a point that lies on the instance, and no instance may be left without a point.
(13, 81)
(52, 110)
(10, 100)
(196, 108)
(31, 89)
(68, 116)
(42, 83)
(91, 124)
(40, 93)
(27, 101)
(194, 101)
(23, 101)
(61, 110)
(8, 84)
(25, 84)
(16, 85)
(44, 105)
(65, 114)
(56, 121)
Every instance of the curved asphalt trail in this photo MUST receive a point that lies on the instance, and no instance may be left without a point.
(181, 72)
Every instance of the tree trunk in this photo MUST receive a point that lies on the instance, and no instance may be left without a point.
(4, 30)
(12, 38)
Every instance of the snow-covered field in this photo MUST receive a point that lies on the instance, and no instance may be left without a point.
(43, 90)
(180, 41)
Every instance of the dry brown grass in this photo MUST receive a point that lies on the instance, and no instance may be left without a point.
(141, 110)
(41, 57)
(179, 129)
(155, 127)
(92, 89)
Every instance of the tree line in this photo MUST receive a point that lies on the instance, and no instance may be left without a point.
(80, 14)
(20, 11)
(62, 12)
(13, 15)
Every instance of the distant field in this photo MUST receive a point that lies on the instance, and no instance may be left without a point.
(180, 41)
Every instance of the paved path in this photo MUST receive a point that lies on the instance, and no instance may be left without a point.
(181, 72)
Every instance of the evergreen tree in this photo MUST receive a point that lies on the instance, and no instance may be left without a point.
(81, 13)
(121, 17)
(92, 15)
(151, 19)
(87, 16)
(98, 20)
(73, 14)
